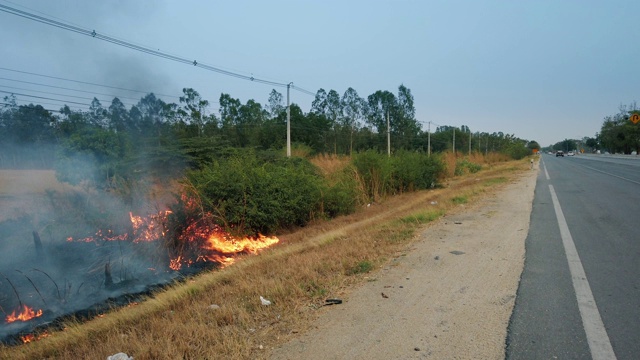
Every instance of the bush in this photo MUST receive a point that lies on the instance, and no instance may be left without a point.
(463, 166)
(255, 196)
(416, 171)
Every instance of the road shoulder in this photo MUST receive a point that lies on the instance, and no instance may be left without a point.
(449, 296)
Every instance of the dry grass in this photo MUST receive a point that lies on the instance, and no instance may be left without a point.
(321, 261)
(330, 164)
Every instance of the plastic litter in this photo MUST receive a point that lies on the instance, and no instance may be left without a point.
(264, 301)
(120, 356)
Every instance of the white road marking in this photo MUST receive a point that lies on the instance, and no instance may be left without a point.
(546, 173)
(597, 337)
(610, 174)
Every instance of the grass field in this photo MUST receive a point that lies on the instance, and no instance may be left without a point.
(323, 260)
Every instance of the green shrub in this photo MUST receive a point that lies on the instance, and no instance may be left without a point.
(405, 171)
(256, 196)
(361, 267)
(463, 166)
(416, 171)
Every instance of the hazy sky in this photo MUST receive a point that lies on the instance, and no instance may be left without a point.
(541, 70)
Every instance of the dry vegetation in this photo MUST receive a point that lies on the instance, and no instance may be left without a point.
(323, 260)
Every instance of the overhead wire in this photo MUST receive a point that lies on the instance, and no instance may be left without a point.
(65, 95)
(81, 82)
(140, 48)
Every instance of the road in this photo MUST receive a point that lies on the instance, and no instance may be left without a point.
(579, 294)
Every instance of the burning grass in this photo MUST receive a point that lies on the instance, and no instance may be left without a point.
(308, 266)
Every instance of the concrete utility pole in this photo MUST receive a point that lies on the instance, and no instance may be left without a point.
(454, 140)
(429, 139)
(388, 136)
(469, 141)
(288, 122)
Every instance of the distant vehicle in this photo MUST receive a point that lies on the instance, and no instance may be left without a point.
(559, 153)
(570, 153)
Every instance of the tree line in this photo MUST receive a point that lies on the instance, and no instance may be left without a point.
(617, 135)
(107, 143)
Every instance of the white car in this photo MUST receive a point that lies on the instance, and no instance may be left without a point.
(570, 153)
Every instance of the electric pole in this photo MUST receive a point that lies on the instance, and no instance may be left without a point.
(454, 140)
(388, 136)
(288, 122)
(429, 139)
(469, 141)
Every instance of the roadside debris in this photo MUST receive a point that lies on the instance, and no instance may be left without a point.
(456, 252)
(384, 295)
(214, 307)
(119, 356)
(332, 302)
(264, 301)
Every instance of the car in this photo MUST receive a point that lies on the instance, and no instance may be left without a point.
(570, 153)
(559, 153)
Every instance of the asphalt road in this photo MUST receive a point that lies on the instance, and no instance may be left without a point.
(597, 208)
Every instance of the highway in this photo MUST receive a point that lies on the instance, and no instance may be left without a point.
(579, 294)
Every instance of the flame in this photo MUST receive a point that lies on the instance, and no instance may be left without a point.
(220, 242)
(25, 314)
(200, 241)
(149, 228)
(33, 337)
(176, 264)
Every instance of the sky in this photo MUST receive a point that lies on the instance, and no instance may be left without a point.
(538, 69)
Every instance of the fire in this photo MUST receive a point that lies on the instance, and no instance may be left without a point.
(24, 314)
(216, 245)
(222, 243)
(200, 241)
(149, 228)
(32, 337)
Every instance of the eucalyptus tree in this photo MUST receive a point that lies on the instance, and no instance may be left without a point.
(354, 108)
(334, 114)
(319, 104)
(276, 104)
(193, 110)
(404, 124)
(380, 106)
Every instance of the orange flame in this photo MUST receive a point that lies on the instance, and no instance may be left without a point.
(200, 241)
(25, 314)
(32, 337)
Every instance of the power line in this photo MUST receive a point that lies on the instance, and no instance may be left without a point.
(81, 82)
(65, 95)
(42, 97)
(147, 50)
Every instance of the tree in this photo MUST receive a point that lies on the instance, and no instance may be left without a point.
(533, 145)
(97, 114)
(354, 108)
(118, 116)
(404, 124)
(319, 104)
(230, 118)
(334, 114)
(193, 109)
(276, 104)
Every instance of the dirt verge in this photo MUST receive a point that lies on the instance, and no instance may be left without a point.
(449, 296)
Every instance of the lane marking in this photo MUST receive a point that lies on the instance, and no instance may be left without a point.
(604, 172)
(546, 173)
(597, 337)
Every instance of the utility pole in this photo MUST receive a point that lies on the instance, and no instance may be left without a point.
(288, 122)
(388, 136)
(454, 140)
(429, 139)
(469, 141)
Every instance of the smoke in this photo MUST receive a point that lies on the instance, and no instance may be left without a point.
(70, 250)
